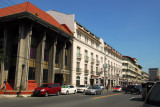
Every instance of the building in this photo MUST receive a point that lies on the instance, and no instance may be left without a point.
(37, 46)
(145, 76)
(154, 74)
(90, 53)
(131, 71)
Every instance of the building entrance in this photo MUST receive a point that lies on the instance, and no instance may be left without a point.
(59, 78)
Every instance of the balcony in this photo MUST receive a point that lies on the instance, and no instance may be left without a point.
(86, 58)
(92, 61)
(78, 70)
(99, 73)
(97, 62)
(92, 72)
(79, 56)
(86, 72)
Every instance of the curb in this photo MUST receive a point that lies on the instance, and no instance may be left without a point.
(11, 96)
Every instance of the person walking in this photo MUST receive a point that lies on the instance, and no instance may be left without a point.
(4, 85)
(107, 87)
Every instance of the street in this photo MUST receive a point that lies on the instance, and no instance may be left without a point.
(108, 98)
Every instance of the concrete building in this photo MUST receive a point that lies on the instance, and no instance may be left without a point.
(90, 53)
(154, 74)
(39, 49)
(131, 71)
(145, 76)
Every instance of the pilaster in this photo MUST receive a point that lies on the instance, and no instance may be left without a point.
(40, 60)
(23, 55)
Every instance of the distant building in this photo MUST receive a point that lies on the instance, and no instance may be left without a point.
(131, 71)
(154, 74)
(145, 76)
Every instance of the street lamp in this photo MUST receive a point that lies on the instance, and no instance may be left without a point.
(21, 81)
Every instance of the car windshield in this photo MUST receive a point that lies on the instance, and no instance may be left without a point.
(154, 96)
(82, 86)
(44, 86)
(64, 86)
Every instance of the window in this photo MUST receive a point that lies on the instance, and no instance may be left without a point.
(86, 40)
(97, 45)
(101, 59)
(78, 52)
(77, 81)
(92, 43)
(78, 35)
(86, 55)
(85, 80)
(85, 67)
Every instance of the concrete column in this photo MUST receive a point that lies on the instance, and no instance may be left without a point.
(51, 62)
(63, 57)
(40, 60)
(23, 55)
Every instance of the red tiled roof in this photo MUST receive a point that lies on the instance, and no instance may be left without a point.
(27, 6)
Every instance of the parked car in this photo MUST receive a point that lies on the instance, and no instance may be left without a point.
(117, 88)
(146, 86)
(133, 89)
(153, 97)
(82, 88)
(102, 86)
(94, 90)
(68, 89)
(48, 89)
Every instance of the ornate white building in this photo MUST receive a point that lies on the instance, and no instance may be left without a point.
(90, 53)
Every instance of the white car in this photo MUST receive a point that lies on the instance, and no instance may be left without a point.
(117, 88)
(82, 88)
(68, 89)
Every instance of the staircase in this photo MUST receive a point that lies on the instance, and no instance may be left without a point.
(31, 85)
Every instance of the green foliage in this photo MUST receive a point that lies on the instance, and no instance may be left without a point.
(3, 56)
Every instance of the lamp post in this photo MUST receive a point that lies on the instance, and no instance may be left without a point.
(18, 94)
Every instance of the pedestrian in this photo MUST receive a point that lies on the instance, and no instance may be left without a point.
(107, 87)
(4, 85)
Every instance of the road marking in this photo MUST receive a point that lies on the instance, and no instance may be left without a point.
(106, 96)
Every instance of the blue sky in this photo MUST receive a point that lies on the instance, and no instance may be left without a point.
(132, 27)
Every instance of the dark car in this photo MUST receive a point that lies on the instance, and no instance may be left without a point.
(94, 90)
(146, 86)
(153, 97)
(133, 89)
(48, 89)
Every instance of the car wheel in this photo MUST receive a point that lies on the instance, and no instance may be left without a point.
(58, 93)
(46, 94)
(75, 92)
(67, 92)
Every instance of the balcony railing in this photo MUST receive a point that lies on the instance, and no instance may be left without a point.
(86, 72)
(79, 56)
(97, 62)
(92, 72)
(99, 73)
(78, 70)
(86, 58)
(92, 61)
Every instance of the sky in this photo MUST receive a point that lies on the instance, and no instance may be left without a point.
(131, 27)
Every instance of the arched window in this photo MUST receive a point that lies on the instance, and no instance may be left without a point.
(85, 80)
(77, 81)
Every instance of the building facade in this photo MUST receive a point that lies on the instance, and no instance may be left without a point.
(154, 74)
(38, 48)
(90, 53)
(132, 73)
(145, 76)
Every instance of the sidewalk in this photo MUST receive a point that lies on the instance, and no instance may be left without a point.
(12, 93)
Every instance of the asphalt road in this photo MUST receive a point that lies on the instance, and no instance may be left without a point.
(107, 99)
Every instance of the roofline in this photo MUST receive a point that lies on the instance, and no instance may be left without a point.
(32, 17)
